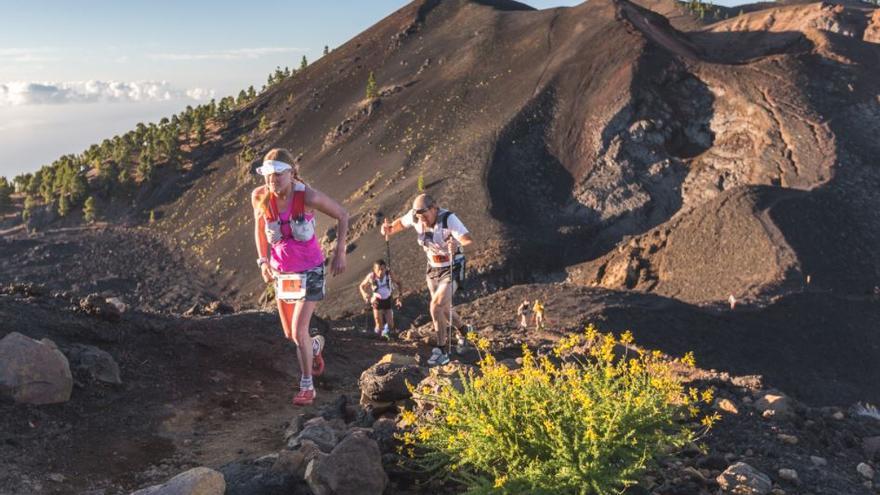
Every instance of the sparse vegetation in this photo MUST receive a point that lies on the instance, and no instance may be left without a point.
(263, 126)
(420, 183)
(5, 193)
(588, 423)
(303, 63)
(152, 217)
(89, 210)
(372, 91)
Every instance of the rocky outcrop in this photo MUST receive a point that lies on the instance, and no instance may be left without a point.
(354, 467)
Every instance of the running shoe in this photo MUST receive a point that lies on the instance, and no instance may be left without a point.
(438, 357)
(386, 333)
(304, 397)
(317, 355)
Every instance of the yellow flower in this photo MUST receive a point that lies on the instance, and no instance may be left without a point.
(408, 417)
(500, 481)
(627, 338)
(707, 396)
(688, 359)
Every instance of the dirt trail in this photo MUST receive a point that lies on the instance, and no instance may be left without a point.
(200, 392)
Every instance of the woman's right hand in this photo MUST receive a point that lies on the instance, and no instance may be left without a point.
(266, 272)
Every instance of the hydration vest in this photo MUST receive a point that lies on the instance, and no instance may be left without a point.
(300, 229)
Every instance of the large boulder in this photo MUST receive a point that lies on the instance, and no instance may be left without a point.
(742, 479)
(97, 364)
(196, 481)
(353, 467)
(33, 372)
(386, 381)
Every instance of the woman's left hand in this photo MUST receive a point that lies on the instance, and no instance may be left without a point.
(337, 266)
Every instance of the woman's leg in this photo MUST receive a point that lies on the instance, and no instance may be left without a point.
(302, 315)
(285, 312)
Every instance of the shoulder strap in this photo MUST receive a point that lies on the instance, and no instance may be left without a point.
(274, 213)
(299, 203)
(444, 218)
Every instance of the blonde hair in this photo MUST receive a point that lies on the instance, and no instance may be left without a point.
(281, 155)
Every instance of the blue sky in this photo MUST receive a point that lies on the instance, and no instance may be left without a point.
(73, 73)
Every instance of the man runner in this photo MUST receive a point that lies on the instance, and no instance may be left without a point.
(440, 232)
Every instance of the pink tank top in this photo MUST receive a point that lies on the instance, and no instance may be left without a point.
(291, 255)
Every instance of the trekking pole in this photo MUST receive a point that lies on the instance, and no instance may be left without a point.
(387, 243)
(451, 294)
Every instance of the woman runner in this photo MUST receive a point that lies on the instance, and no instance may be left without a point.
(289, 254)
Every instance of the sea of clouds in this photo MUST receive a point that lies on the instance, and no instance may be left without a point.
(19, 93)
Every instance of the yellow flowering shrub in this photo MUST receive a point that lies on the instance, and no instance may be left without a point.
(587, 423)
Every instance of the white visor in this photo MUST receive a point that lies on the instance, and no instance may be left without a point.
(273, 167)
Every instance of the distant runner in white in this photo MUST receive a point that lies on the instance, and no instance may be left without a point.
(440, 233)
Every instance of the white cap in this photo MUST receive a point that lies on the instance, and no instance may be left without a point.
(273, 167)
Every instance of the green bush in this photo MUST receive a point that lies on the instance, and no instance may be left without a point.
(575, 424)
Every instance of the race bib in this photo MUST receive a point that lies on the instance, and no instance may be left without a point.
(290, 286)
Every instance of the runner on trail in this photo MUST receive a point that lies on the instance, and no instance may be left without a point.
(376, 290)
(289, 254)
(523, 312)
(539, 315)
(440, 232)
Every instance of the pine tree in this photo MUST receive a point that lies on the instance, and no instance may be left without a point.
(145, 169)
(89, 212)
(264, 124)
(5, 194)
(63, 205)
(303, 63)
(326, 50)
(251, 93)
(29, 204)
(242, 98)
(371, 86)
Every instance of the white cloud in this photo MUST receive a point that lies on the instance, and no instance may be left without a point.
(237, 54)
(19, 93)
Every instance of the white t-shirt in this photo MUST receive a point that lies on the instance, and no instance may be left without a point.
(433, 239)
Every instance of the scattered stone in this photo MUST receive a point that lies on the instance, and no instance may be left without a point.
(742, 479)
(97, 364)
(317, 430)
(386, 382)
(353, 467)
(838, 415)
(789, 475)
(33, 372)
(290, 462)
(726, 405)
(786, 438)
(780, 405)
(871, 446)
(197, 481)
(401, 359)
(865, 470)
(818, 461)
(56, 477)
(117, 303)
(95, 305)
(383, 433)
